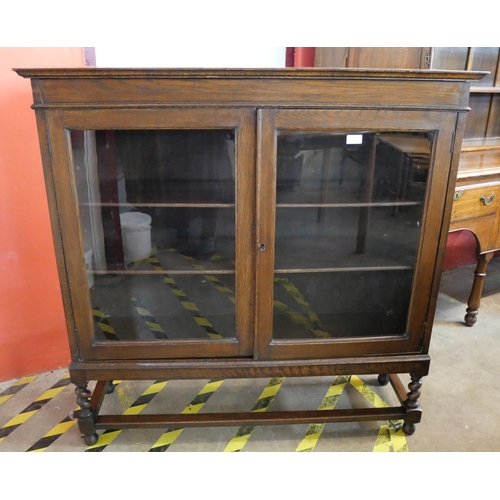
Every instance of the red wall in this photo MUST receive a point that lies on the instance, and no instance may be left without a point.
(32, 326)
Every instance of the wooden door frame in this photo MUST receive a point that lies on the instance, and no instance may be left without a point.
(426, 275)
(63, 205)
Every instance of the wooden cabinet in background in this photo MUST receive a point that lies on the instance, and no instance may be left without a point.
(373, 57)
(480, 164)
(477, 206)
(249, 223)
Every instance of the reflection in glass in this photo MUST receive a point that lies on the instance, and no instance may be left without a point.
(340, 305)
(349, 209)
(158, 222)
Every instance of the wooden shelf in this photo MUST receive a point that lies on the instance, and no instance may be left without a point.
(343, 269)
(161, 205)
(479, 161)
(166, 271)
(299, 262)
(478, 144)
(349, 205)
(485, 90)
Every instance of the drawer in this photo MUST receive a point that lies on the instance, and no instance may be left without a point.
(478, 201)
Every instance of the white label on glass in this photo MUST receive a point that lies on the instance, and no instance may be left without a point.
(354, 139)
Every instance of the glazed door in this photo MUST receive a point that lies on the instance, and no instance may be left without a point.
(349, 222)
(158, 254)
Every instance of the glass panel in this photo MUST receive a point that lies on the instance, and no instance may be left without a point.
(340, 305)
(336, 168)
(346, 237)
(157, 216)
(348, 216)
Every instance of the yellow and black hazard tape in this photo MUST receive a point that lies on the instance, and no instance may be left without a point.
(31, 409)
(311, 323)
(104, 324)
(107, 437)
(398, 438)
(186, 303)
(221, 287)
(329, 402)
(294, 316)
(213, 280)
(43, 443)
(15, 388)
(383, 442)
(262, 404)
(314, 321)
(300, 299)
(300, 319)
(148, 318)
(170, 435)
(57, 431)
(391, 437)
(394, 427)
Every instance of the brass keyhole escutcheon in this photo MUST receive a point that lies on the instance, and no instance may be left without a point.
(487, 200)
(262, 247)
(458, 195)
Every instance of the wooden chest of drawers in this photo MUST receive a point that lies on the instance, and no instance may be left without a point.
(476, 207)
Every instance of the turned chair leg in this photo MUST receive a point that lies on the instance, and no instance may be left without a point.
(477, 289)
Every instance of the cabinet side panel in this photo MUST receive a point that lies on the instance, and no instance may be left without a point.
(56, 229)
(69, 223)
(459, 123)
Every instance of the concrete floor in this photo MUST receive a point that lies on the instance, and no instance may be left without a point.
(460, 399)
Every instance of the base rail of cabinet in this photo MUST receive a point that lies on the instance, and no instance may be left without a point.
(248, 418)
(89, 420)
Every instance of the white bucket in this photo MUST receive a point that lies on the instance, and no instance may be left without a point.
(136, 233)
(90, 267)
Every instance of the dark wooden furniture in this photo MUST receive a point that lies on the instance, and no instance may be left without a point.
(476, 207)
(481, 137)
(373, 57)
(275, 249)
(479, 168)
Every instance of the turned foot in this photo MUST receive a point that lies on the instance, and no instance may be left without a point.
(408, 429)
(91, 439)
(477, 288)
(471, 317)
(383, 379)
(412, 406)
(86, 415)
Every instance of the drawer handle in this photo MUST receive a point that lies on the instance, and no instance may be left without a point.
(458, 195)
(486, 200)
